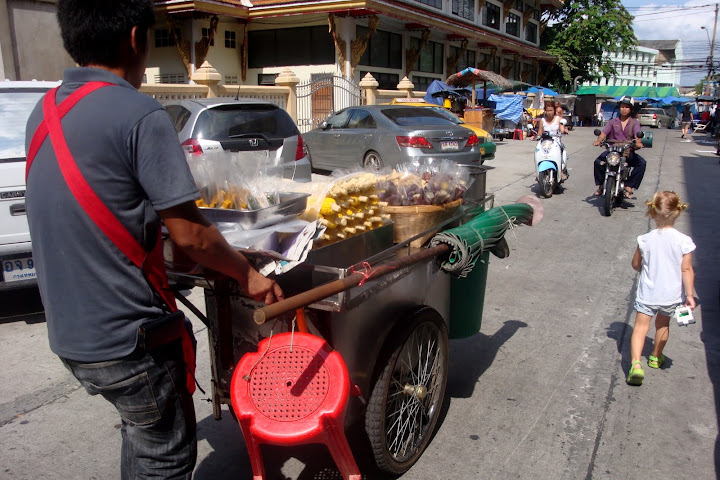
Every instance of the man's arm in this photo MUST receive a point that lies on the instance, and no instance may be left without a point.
(605, 132)
(204, 243)
(636, 130)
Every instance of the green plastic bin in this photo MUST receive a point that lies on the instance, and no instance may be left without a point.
(467, 298)
(647, 140)
(467, 295)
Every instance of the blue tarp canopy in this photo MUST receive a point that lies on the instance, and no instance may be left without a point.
(434, 87)
(544, 90)
(438, 86)
(508, 107)
(670, 100)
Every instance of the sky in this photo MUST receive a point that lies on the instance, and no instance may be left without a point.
(671, 20)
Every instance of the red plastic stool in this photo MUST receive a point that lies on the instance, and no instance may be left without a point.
(293, 391)
(517, 134)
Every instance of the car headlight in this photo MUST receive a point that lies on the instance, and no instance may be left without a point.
(613, 158)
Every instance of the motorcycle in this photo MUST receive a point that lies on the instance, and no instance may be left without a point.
(550, 162)
(617, 171)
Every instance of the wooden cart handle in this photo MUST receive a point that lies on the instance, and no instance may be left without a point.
(268, 312)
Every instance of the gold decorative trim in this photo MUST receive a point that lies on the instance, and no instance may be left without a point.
(339, 43)
(452, 62)
(507, 5)
(412, 54)
(202, 46)
(359, 45)
(182, 46)
(244, 55)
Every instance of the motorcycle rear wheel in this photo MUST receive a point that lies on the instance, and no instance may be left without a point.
(609, 200)
(545, 184)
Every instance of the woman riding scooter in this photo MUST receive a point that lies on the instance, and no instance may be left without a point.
(551, 123)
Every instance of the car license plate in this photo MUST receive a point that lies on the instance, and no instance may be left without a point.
(18, 269)
(449, 146)
(482, 150)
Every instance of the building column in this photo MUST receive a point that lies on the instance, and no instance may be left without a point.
(287, 78)
(7, 58)
(369, 86)
(207, 75)
(346, 30)
(406, 86)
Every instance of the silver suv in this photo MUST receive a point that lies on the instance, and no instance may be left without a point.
(17, 100)
(207, 125)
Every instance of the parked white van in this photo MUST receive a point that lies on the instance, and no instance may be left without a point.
(17, 100)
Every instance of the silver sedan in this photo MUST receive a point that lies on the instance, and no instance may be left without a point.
(378, 135)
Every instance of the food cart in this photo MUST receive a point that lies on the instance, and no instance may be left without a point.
(391, 328)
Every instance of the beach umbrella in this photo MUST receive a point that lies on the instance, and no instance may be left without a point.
(471, 76)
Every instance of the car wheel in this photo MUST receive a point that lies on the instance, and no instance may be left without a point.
(659, 124)
(372, 160)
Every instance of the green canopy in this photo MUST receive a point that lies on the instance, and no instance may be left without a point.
(631, 91)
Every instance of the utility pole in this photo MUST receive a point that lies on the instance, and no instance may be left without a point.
(712, 48)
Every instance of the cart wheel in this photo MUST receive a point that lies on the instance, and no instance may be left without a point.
(406, 400)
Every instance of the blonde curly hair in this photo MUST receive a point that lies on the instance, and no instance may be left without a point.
(665, 206)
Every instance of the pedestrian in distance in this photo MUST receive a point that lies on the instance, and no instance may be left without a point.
(686, 120)
(105, 170)
(667, 280)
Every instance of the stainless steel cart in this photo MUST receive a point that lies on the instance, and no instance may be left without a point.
(391, 331)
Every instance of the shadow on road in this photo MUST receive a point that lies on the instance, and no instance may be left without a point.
(21, 305)
(229, 458)
(702, 176)
(470, 357)
(621, 332)
(599, 202)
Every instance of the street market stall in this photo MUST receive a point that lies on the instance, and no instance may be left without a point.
(387, 298)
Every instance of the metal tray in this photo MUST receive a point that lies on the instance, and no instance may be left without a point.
(290, 204)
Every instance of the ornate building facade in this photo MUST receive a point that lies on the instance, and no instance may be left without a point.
(251, 42)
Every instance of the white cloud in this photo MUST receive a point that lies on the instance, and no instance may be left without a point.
(675, 20)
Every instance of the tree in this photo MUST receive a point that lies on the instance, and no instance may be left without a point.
(579, 34)
(700, 87)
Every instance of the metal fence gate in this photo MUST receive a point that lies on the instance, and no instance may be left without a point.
(322, 96)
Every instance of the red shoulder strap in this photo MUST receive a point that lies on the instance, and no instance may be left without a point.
(88, 199)
(67, 104)
(152, 263)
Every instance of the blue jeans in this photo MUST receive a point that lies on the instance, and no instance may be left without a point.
(158, 416)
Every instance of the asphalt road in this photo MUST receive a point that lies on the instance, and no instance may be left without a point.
(538, 393)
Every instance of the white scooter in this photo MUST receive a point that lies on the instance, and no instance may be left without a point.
(550, 163)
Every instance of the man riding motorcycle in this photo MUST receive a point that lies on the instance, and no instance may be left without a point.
(621, 128)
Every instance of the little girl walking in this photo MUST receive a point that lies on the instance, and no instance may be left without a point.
(664, 259)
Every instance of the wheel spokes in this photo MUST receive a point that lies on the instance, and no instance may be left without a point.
(414, 383)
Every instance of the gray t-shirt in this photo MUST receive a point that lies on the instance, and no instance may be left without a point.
(128, 151)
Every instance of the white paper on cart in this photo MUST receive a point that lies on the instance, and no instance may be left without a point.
(277, 248)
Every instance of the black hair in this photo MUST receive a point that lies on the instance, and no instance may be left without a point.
(93, 31)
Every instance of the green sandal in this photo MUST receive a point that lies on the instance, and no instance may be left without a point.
(636, 374)
(655, 362)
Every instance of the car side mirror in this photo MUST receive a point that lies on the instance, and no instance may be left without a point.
(597, 132)
(325, 125)
(640, 134)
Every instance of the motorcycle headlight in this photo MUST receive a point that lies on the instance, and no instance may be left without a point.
(546, 145)
(613, 159)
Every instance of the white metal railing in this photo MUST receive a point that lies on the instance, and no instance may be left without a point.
(268, 93)
(166, 91)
